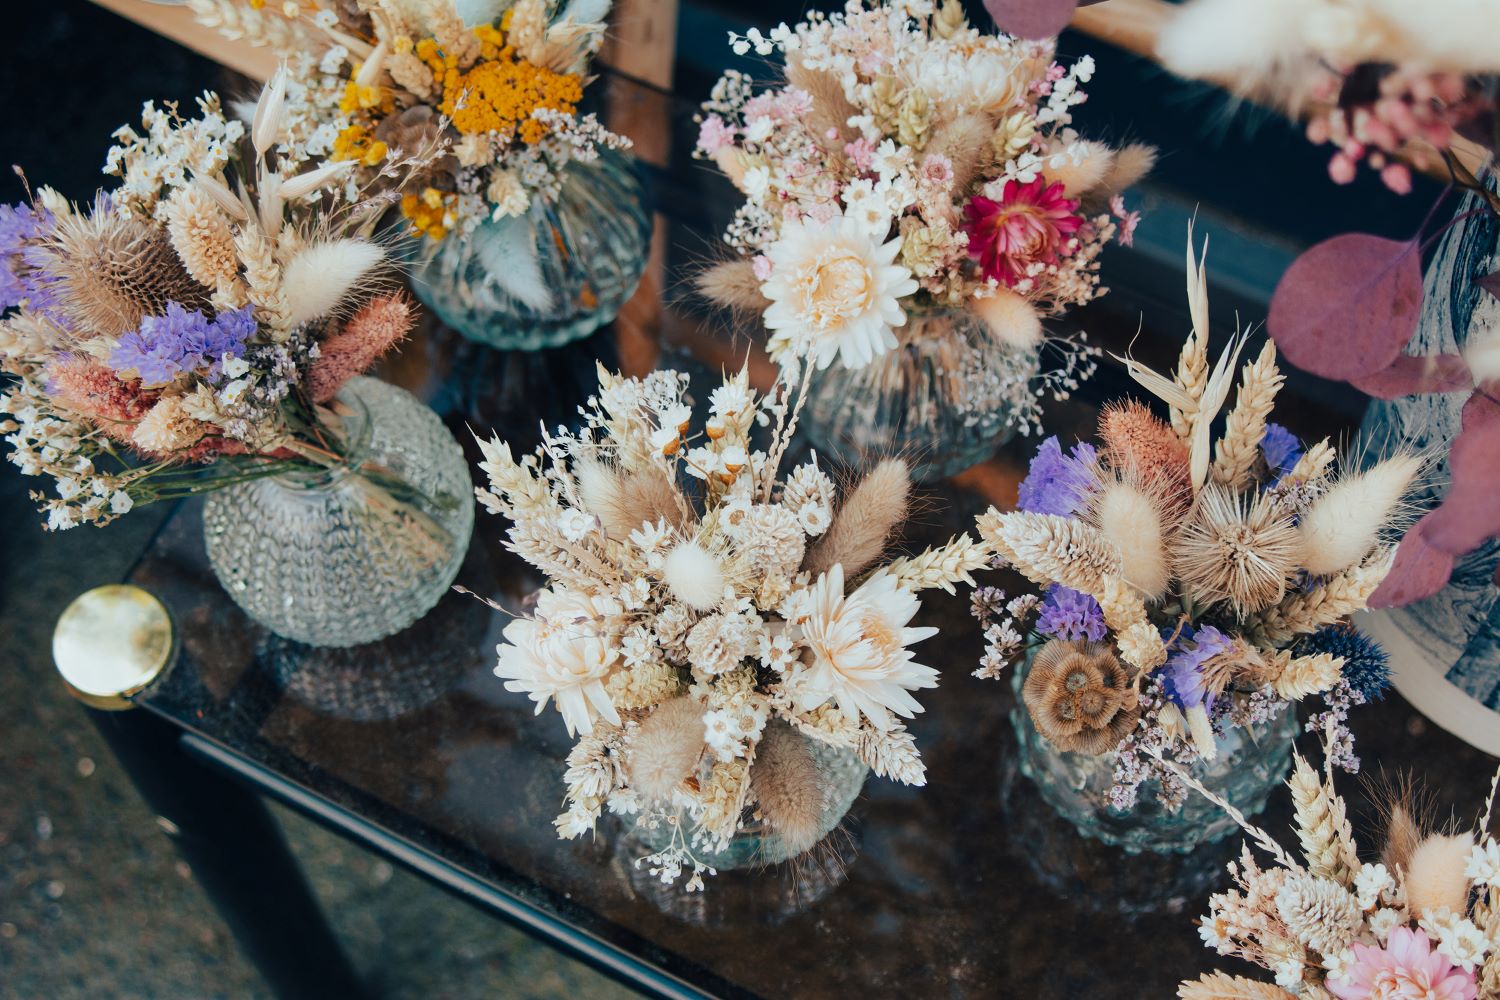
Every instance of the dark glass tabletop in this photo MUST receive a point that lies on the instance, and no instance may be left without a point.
(969, 886)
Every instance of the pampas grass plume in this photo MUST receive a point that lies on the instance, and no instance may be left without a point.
(321, 276)
(859, 531)
(1435, 876)
(1132, 519)
(787, 784)
(694, 576)
(1011, 317)
(666, 748)
(1346, 522)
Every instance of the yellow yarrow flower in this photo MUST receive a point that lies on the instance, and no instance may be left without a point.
(432, 212)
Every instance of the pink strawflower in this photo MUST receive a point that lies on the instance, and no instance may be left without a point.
(1030, 224)
(714, 135)
(1405, 969)
(1128, 220)
(371, 332)
(937, 169)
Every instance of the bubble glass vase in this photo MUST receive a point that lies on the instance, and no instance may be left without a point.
(946, 397)
(356, 552)
(550, 276)
(1251, 763)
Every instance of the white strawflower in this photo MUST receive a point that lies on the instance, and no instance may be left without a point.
(562, 655)
(835, 291)
(1457, 937)
(858, 641)
(1382, 922)
(1484, 863)
(1370, 882)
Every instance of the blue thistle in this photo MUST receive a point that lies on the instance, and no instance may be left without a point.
(1366, 663)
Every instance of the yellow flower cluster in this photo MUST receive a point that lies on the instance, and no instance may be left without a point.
(356, 143)
(501, 90)
(432, 212)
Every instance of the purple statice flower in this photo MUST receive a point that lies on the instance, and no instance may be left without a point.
(181, 340)
(1058, 483)
(1281, 449)
(1183, 675)
(20, 225)
(1071, 615)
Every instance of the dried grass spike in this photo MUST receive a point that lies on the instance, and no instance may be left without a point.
(864, 522)
(1348, 520)
(732, 283)
(1221, 986)
(1435, 876)
(1238, 449)
(788, 786)
(1135, 439)
(1322, 825)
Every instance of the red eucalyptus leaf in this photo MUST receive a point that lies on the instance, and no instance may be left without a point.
(1420, 570)
(1348, 305)
(1470, 511)
(1490, 283)
(1408, 376)
(1031, 18)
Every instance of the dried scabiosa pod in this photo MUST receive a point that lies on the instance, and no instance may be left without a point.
(1080, 697)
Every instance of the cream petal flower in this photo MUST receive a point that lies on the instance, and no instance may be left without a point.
(835, 292)
(858, 642)
(563, 655)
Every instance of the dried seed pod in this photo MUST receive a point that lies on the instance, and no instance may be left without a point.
(1078, 694)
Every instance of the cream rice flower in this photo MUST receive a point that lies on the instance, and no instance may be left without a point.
(859, 655)
(835, 291)
(562, 654)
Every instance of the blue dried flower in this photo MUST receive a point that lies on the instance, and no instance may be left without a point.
(180, 341)
(1366, 663)
(1281, 449)
(1070, 614)
(1058, 483)
(1183, 676)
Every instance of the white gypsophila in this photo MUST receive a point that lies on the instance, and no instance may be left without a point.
(1484, 863)
(562, 654)
(1370, 883)
(859, 644)
(1288, 972)
(835, 292)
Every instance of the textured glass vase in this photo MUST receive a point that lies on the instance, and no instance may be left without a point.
(946, 397)
(552, 275)
(348, 555)
(1249, 766)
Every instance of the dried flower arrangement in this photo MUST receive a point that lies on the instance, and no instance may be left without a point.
(707, 623)
(1191, 586)
(191, 328)
(1421, 922)
(910, 163)
(500, 80)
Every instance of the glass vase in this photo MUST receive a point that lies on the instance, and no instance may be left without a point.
(946, 397)
(550, 276)
(348, 555)
(1251, 763)
(758, 880)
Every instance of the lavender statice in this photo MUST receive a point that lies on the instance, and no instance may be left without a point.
(21, 226)
(1057, 483)
(180, 341)
(1281, 450)
(1071, 615)
(1183, 676)
(985, 603)
(1333, 723)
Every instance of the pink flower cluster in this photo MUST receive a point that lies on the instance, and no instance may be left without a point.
(1031, 224)
(1405, 969)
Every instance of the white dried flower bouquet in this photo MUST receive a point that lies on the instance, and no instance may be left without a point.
(705, 621)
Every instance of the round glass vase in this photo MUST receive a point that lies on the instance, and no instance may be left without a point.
(1251, 763)
(758, 879)
(946, 397)
(351, 554)
(550, 276)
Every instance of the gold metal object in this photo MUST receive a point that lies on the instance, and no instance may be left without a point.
(111, 643)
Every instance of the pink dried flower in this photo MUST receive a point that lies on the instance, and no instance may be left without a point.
(937, 170)
(371, 332)
(714, 135)
(861, 153)
(1341, 168)
(87, 387)
(1128, 220)
(761, 266)
(1397, 177)
(1030, 224)
(1405, 969)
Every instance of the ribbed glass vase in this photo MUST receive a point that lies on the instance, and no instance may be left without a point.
(552, 275)
(348, 555)
(946, 397)
(1249, 766)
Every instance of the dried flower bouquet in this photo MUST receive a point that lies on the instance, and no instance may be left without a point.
(1418, 921)
(191, 329)
(707, 624)
(1192, 586)
(910, 164)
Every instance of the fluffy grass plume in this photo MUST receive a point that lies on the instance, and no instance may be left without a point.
(732, 283)
(666, 748)
(323, 275)
(1347, 521)
(1134, 521)
(864, 522)
(1435, 876)
(1014, 320)
(788, 786)
(694, 576)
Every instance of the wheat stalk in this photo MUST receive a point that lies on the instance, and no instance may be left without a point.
(1339, 596)
(1307, 675)
(240, 22)
(941, 567)
(1046, 548)
(1221, 986)
(1323, 828)
(263, 276)
(1235, 455)
(1313, 465)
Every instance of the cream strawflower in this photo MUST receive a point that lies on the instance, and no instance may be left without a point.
(562, 654)
(835, 291)
(858, 642)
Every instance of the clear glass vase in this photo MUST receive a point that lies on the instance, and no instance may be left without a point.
(758, 880)
(946, 397)
(550, 276)
(338, 557)
(1251, 763)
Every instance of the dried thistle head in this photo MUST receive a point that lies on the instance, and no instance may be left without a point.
(1079, 696)
(1236, 548)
